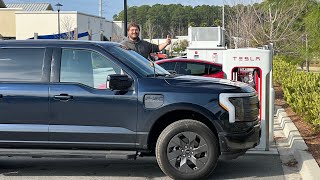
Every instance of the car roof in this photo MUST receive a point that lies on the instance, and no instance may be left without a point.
(187, 60)
(55, 42)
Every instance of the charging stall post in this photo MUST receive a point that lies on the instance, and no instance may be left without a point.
(255, 65)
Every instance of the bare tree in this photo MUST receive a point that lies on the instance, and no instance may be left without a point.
(280, 18)
(236, 29)
(268, 22)
(67, 26)
(117, 33)
(172, 31)
(150, 29)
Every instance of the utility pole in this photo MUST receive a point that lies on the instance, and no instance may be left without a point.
(125, 18)
(58, 8)
(100, 8)
(223, 16)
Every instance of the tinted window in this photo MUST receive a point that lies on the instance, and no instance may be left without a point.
(215, 69)
(196, 69)
(86, 67)
(168, 65)
(21, 64)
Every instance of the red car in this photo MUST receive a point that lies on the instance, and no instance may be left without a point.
(192, 67)
(158, 56)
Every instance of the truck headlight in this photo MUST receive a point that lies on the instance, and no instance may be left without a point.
(246, 108)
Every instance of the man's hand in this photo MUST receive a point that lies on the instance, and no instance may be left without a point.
(168, 40)
(165, 44)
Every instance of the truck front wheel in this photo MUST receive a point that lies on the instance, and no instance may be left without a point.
(187, 149)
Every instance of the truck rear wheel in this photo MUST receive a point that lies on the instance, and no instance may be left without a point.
(187, 149)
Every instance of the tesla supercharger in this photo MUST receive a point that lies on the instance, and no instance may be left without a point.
(254, 66)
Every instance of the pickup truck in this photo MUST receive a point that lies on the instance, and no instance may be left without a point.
(96, 99)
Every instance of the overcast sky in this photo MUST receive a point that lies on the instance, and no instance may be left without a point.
(111, 7)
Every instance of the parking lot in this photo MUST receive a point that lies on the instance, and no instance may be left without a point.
(249, 166)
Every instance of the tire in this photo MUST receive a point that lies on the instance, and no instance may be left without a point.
(196, 160)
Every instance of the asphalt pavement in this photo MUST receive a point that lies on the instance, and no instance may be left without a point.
(249, 166)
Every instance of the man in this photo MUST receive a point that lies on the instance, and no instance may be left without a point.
(142, 47)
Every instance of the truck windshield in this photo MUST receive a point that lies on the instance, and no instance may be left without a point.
(137, 62)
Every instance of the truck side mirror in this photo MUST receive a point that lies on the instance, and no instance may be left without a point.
(119, 82)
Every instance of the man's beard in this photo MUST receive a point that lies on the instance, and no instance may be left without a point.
(134, 38)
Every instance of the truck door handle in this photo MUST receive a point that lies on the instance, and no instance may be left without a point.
(62, 97)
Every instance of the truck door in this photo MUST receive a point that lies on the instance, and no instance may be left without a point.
(24, 106)
(84, 110)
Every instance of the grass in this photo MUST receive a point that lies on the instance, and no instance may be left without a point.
(314, 69)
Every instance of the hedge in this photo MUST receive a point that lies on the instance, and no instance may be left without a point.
(301, 90)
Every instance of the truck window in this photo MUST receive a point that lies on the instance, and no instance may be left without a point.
(86, 67)
(21, 64)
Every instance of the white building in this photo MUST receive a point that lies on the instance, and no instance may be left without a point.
(45, 23)
(26, 20)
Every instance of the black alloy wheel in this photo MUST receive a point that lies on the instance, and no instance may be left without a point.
(187, 149)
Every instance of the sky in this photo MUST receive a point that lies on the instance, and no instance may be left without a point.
(112, 7)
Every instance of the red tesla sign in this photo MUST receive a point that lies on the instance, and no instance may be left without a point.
(246, 58)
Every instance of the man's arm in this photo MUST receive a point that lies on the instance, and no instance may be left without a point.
(165, 44)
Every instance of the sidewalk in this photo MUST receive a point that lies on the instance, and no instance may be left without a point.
(297, 162)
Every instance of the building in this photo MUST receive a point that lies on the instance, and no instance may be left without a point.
(30, 6)
(38, 20)
(7, 21)
(8, 15)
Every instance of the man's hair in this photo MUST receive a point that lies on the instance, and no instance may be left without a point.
(133, 24)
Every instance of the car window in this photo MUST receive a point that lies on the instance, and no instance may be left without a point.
(214, 69)
(86, 67)
(168, 65)
(196, 69)
(21, 64)
(182, 69)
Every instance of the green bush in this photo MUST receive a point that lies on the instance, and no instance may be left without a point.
(301, 90)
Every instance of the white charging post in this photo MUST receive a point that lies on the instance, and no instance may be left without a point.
(260, 60)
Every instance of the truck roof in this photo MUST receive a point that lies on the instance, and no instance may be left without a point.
(56, 42)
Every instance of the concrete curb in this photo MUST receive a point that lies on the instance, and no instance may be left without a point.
(306, 164)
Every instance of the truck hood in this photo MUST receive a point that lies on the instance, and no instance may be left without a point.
(208, 82)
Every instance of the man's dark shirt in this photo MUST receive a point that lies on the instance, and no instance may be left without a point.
(142, 47)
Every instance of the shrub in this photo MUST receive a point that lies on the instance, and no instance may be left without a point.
(301, 90)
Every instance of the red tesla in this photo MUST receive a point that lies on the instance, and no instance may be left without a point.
(192, 67)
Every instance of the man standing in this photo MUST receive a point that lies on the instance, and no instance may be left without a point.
(142, 47)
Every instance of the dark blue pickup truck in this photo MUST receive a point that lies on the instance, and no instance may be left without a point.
(74, 98)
